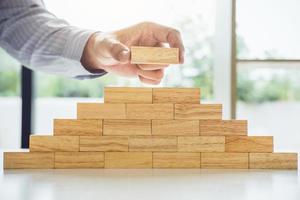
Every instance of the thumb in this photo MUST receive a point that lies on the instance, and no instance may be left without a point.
(120, 52)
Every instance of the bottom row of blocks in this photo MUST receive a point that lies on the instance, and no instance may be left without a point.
(31, 160)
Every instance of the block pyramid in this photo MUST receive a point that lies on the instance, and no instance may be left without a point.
(150, 128)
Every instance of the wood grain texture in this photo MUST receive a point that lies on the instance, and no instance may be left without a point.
(153, 143)
(175, 127)
(150, 111)
(101, 111)
(45, 143)
(67, 160)
(273, 160)
(127, 95)
(103, 143)
(201, 143)
(77, 127)
(223, 127)
(154, 55)
(176, 160)
(224, 160)
(127, 160)
(176, 95)
(249, 144)
(126, 127)
(198, 111)
(28, 160)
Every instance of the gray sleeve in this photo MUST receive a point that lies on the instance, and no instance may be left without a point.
(41, 41)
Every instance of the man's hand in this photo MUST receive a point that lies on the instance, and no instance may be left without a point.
(110, 51)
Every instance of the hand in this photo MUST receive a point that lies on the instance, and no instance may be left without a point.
(110, 51)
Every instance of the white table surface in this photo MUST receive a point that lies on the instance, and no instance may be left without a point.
(107, 184)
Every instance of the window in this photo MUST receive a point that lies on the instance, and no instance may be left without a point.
(10, 102)
(268, 69)
(269, 99)
(268, 29)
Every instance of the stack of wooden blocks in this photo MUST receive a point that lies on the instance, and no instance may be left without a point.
(150, 128)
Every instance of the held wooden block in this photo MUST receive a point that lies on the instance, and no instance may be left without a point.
(249, 144)
(127, 160)
(153, 143)
(127, 95)
(104, 143)
(65, 160)
(223, 127)
(273, 160)
(101, 111)
(224, 160)
(77, 127)
(154, 55)
(176, 160)
(198, 111)
(127, 127)
(150, 111)
(28, 160)
(54, 143)
(175, 127)
(201, 144)
(176, 95)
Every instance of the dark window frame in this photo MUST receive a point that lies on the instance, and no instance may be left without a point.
(27, 102)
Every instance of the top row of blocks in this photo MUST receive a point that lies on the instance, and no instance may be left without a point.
(151, 95)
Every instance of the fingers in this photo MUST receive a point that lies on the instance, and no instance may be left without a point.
(152, 67)
(151, 77)
(168, 35)
(175, 41)
(149, 81)
(120, 52)
(155, 75)
(109, 51)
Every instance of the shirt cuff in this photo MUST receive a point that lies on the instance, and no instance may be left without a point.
(74, 47)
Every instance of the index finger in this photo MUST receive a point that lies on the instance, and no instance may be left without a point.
(171, 36)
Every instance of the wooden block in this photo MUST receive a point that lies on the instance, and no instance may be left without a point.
(153, 143)
(150, 111)
(127, 160)
(175, 127)
(45, 143)
(65, 160)
(176, 95)
(223, 127)
(77, 127)
(127, 95)
(176, 160)
(103, 143)
(273, 160)
(201, 144)
(198, 111)
(28, 160)
(154, 55)
(101, 111)
(249, 144)
(224, 160)
(127, 127)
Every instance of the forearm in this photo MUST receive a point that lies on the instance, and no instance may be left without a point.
(40, 40)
